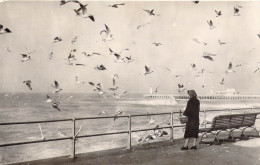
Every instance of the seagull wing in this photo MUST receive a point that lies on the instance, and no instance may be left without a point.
(114, 82)
(1, 27)
(148, 11)
(107, 29)
(24, 55)
(56, 84)
(117, 56)
(146, 68)
(29, 85)
(92, 18)
(230, 66)
(91, 83)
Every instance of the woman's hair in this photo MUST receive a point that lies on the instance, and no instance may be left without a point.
(192, 93)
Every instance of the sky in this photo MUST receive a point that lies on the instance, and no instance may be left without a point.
(35, 24)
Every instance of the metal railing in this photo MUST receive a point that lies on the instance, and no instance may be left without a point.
(129, 131)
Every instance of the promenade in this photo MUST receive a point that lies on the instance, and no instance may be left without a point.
(164, 153)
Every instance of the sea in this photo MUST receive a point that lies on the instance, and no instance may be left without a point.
(21, 107)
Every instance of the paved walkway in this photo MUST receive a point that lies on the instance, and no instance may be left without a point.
(164, 153)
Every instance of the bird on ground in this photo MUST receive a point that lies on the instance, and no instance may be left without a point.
(222, 81)
(150, 12)
(157, 43)
(89, 55)
(4, 30)
(100, 67)
(56, 87)
(230, 69)
(119, 96)
(116, 5)
(218, 13)
(83, 9)
(147, 70)
(221, 43)
(79, 82)
(57, 39)
(55, 105)
(109, 36)
(74, 40)
(210, 24)
(181, 88)
(28, 83)
(236, 12)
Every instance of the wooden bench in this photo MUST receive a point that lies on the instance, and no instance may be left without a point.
(229, 123)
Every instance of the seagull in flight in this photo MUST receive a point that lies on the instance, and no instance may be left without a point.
(118, 55)
(4, 30)
(156, 89)
(63, 2)
(84, 13)
(258, 35)
(193, 66)
(89, 55)
(100, 67)
(150, 12)
(139, 26)
(221, 43)
(181, 88)
(55, 105)
(109, 36)
(147, 70)
(222, 81)
(118, 112)
(218, 13)
(56, 86)
(74, 40)
(116, 5)
(196, 40)
(114, 88)
(230, 69)
(157, 43)
(119, 96)
(196, 2)
(28, 83)
(57, 39)
(210, 24)
(50, 55)
(25, 57)
(49, 99)
(129, 59)
(77, 80)
(236, 12)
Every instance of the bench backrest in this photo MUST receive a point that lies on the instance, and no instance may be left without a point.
(233, 121)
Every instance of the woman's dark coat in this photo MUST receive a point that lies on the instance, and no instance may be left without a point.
(192, 112)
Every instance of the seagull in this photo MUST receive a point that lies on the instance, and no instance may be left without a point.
(129, 59)
(118, 55)
(256, 70)
(114, 75)
(119, 96)
(209, 54)
(205, 43)
(78, 82)
(89, 55)
(221, 43)
(208, 57)
(116, 5)
(28, 83)
(57, 39)
(156, 89)
(218, 13)
(50, 55)
(147, 70)
(55, 105)
(63, 2)
(139, 26)
(230, 69)
(151, 121)
(71, 57)
(4, 30)
(26, 57)
(100, 67)
(222, 81)
(157, 43)
(150, 12)
(69, 97)
(49, 99)
(168, 69)
(181, 88)
(118, 112)
(196, 2)
(56, 86)
(176, 76)
(109, 36)
(102, 113)
(193, 66)
(84, 11)
(236, 12)
(211, 24)
(258, 35)
(114, 84)
(74, 40)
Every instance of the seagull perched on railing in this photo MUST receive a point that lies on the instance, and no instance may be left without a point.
(28, 83)
(56, 86)
(4, 30)
(109, 36)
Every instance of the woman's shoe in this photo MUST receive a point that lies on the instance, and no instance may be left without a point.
(193, 148)
(184, 148)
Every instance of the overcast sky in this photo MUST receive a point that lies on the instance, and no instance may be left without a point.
(34, 25)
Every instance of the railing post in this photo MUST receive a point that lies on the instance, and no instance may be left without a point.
(129, 147)
(230, 110)
(73, 146)
(205, 116)
(171, 131)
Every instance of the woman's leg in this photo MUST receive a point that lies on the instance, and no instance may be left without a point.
(186, 142)
(194, 142)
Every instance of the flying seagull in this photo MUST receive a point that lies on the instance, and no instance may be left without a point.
(230, 68)
(119, 96)
(55, 105)
(222, 81)
(49, 99)
(181, 88)
(50, 55)
(150, 12)
(147, 70)
(116, 5)
(258, 35)
(25, 57)
(236, 12)
(100, 67)
(89, 55)
(196, 40)
(28, 83)
(74, 40)
(139, 26)
(129, 59)
(63, 2)
(221, 43)
(109, 36)
(4, 30)
(210, 24)
(84, 13)
(218, 13)
(196, 2)
(157, 43)
(57, 39)
(56, 86)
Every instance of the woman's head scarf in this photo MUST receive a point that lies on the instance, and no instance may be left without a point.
(192, 93)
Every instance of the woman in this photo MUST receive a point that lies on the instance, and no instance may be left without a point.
(192, 126)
